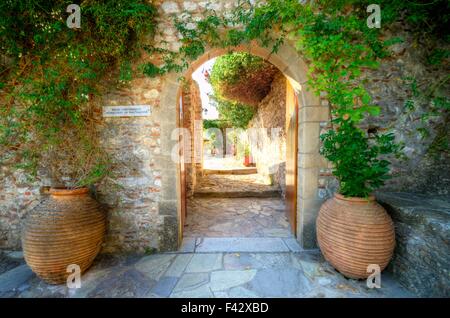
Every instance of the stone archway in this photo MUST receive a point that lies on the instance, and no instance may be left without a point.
(313, 113)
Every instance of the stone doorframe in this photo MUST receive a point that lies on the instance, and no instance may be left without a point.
(313, 114)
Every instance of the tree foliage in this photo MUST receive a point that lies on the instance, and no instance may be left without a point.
(234, 92)
(233, 67)
(242, 77)
(235, 114)
(215, 123)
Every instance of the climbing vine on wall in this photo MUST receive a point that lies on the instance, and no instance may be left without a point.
(51, 72)
(334, 38)
(333, 43)
(50, 75)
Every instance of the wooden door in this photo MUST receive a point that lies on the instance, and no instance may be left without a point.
(182, 169)
(291, 155)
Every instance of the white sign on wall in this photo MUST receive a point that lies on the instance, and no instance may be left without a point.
(126, 111)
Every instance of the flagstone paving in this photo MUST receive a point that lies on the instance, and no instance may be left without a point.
(239, 244)
(237, 217)
(233, 248)
(235, 185)
(191, 275)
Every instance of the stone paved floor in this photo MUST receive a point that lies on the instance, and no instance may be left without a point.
(224, 183)
(233, 247)
(236, 217)
(193, 275)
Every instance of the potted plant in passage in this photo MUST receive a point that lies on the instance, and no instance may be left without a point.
(248, 160)
(353, 230)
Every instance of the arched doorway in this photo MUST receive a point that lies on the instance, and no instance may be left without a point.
(305, 196)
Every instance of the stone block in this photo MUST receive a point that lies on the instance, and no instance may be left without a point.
(308, 138)
(191, 281)
(307, 160)
(169, 184)
(187, 245)
(178, 266)
(164, 286)
(168, 207)
(308, 180)
(204, 263)
(168, 233)
(247, 244)
(308, 210)
(15, 277)
(222, 280)
(293, 245)
(154, 266)
(421, 259)
(313, 114)
(170, 7)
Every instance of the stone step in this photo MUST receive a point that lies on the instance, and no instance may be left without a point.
(14, 278)
(237, 194)
(239, 171)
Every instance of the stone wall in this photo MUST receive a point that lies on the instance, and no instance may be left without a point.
(269, 152)
(141, 216)
(188, 123)
(192, 110)
(17, 197)
(421, 170)
(421, 259)
(142, 196)
(133, 196)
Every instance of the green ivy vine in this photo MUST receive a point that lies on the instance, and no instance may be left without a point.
(51, 76)
(335, 40)
(53, 72)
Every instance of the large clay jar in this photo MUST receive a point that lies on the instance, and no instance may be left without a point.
(66, 228)
(353, 233)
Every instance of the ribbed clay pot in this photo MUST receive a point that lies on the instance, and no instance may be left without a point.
(353, 233)
(66, 228)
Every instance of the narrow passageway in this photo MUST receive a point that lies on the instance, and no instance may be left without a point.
(234, 209)
(236, 194)
(238, 217)
(235, 202)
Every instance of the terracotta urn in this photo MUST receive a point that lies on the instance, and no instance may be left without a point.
(66, 228)
(354, 233)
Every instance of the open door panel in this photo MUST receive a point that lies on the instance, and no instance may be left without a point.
(291, 155)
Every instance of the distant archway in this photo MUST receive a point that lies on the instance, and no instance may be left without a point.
(310, 116)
